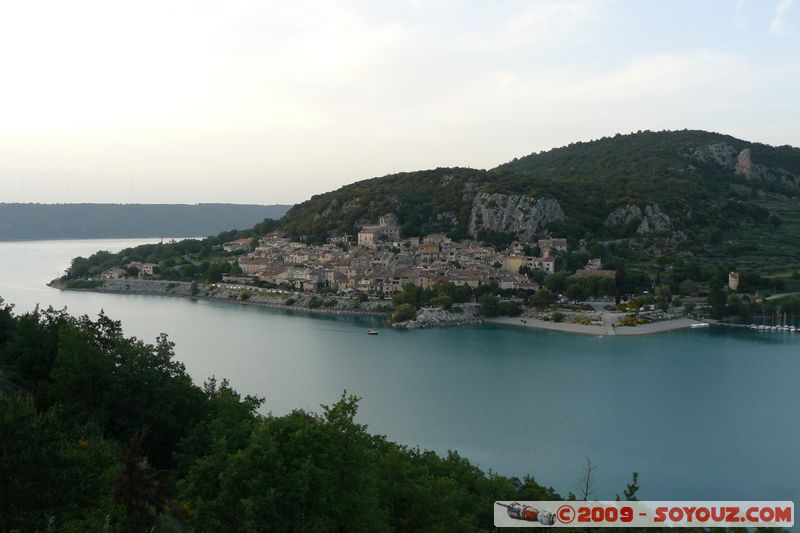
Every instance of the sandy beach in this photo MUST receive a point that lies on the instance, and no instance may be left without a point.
(568, 327)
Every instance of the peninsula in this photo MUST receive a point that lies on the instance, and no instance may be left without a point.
(640, 233)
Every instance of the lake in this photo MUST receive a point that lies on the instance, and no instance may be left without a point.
(709, 413)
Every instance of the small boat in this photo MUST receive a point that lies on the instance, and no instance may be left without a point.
(372, 332)
(699, 325)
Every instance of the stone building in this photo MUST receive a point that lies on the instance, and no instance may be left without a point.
(733, 281)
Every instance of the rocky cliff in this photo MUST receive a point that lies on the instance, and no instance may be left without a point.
(513, 213)
(648, 220)
(742, 164)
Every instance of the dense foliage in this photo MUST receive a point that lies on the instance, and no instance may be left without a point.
(105, 431)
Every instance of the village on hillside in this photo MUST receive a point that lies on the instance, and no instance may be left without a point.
(380, 261)
(433, 280)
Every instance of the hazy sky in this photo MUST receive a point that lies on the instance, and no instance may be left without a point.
(270, 102)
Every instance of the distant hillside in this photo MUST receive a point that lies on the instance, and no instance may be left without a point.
(694, 193)
(87, 221)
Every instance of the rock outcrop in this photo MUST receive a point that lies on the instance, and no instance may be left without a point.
(721, 153)
(654, 221)
(624, 216)
(753, 171)
(525, 216)
(742, 164)
(649, 220)
(431, 317)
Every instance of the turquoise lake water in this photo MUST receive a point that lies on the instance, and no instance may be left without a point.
(700, 414)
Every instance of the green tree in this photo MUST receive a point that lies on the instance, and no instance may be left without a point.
(541, 299)
(6, 323)
(50, 468)
(139, 489)
(557, 282)
(575, 292)
(663, 296)
(631, 489)
(403, 312)
(489, 305)
(293, 466)
(510, 309)
(689, 287)
(717, 298)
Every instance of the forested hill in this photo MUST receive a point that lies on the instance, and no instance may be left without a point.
(86, 221)
(672, 191)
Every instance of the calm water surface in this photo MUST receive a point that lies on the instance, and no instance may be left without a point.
(700, 414)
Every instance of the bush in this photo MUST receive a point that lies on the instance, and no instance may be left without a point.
(581, 319)
(443, 301)
(489, 305)
(82, 284)
(403, 312)
(542, 299)
(314, 303)
(633, 320)
(510, 309)
(289, 301)
(557, 317)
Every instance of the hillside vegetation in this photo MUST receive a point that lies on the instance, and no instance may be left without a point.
(700, 194)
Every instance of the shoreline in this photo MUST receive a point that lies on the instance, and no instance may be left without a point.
(596, 330)
(57, 284)
(227, 295)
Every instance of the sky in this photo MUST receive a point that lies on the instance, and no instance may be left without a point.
(259, 101)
